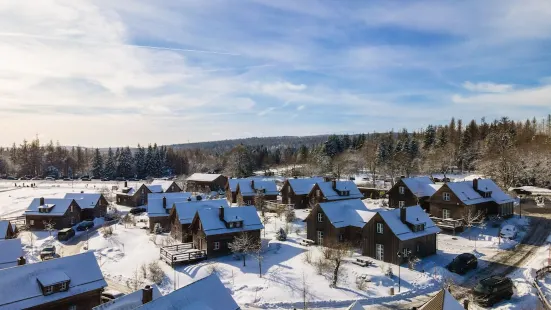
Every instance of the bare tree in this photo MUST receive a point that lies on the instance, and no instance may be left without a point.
(49, 226)
(260, 202)
(472, 217)
(258, 254)
(265, 221)
(243, 244)
(128, 219)
(136, 281)
(155, 272)
(304, 292)
(339, 252)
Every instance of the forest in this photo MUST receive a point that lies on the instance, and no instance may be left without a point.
(511, 152)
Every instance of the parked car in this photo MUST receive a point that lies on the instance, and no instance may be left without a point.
(47, 253)
(120, 179)
(105, 179)
(108, 295)
(85, 178)
(84, 225)
(49, 178)
(11, 178)
(137, 210)
(463, 263)
(65, 234)
(24, 179)
(492, 290)
(67, 179)
(508, 231)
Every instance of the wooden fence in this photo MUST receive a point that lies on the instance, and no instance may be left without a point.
(540, 274)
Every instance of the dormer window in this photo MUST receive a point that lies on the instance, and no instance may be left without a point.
(238, 224)
(231, 224)
(418, 227)
(63, 287)
(48, 290)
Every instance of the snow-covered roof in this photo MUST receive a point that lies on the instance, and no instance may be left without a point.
(442, 301)
(129, 191)
(330, 194)
(420, 186)
(212, 225)
(130, 301)
(303, 186)
(203, 177)
(155, 188)
(414, 215)
(52, 277)
(469, 196)
(4, 229)
(249, 188)
(85, 200)
(186, 209)
(351, 212)
(355, 306)
(19, 288)
(155, 202)
(205, 294)
(57, 206)
(10, 251)
(165, 184)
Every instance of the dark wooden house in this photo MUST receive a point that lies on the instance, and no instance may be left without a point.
(443, 300)
(133, 300)
(205, 182)
(295, 191)
(247, 190)
(182, 214)
(63, 212)
(167, 186)
(333, 191)
(70, 282)
(409, 192)
(135, 197)
(6, 230)
(92, 204)
(214, 228)
(454, 199)
(159, 206)
(406, 230)
(337, 221)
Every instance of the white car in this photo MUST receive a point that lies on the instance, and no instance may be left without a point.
(508, 231)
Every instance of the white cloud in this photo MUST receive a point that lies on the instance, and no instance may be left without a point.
(300, 107)
(487, 87)
(266, 111)
(533, 96)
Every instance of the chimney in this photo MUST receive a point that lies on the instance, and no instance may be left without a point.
(199, 198)
(82, 192)
(402, 177)
(334, 184)
(466, 304)
(164, 202)
(189, 198)
(221, 213)
(403, 213)
(125, 184)
(41, 201)
(21, 261)
(475, 184)
(147, 294)
(252, 184)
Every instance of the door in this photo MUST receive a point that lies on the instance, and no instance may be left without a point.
(446, 214)
(320, 237)
(379, 252)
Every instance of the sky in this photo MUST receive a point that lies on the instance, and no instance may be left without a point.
(115, 73)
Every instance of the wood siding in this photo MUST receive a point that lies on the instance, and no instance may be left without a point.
(138, 199)
(207, 186)
(331, 234)
(87, 301)
(66, 220)
(288, 196)
(408, 197)
(202, 242)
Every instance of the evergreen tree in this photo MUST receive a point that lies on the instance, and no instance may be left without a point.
(139, 161)
(125, 163)
(97, 166)
(110, 170)
(149, 161)
(430, 137)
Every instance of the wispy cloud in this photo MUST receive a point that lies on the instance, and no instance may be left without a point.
(487, 87)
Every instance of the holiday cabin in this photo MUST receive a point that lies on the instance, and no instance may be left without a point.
(409, 192)
(62, 212)
(333, 191)
(182, 214)
(295, 191)
(246, 191)
(206, 182)
(92, 204)
(159, 206)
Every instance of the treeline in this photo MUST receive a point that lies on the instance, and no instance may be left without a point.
(511, 152)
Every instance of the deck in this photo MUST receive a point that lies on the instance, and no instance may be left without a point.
(448, 224)
(183, 253)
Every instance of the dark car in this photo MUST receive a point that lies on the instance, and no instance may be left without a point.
(492, 290)
(463, 263)
(120, 179)
(137, 210)
(85, 178)
(84, 225)
(11, 178)
(67, 179)
(105, 179)
(47, 253)
(65, 234)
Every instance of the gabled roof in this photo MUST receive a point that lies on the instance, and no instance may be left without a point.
(203, 177)
(351, 212)
(442, 301)
(468, 195)
(420, 186)
(232, 183)
(303, 186)
(10, 251)
(186, 210)
(205, 294)
(130, 301)
(165, 184)
(330, 194)
(414, 215)
(4, 225)
(155, 202)
(212, 225)
(155, 188)
(85, 200)
(19, 288)
(57, 206)
(130, 191)
(249, 188)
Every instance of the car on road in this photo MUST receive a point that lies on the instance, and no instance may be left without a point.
(84, 225)
(137, 210)
(65, 234)
(508, 231)
(47, 253)
(463, 263)
(492, 290)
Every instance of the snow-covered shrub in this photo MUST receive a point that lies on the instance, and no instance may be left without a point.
(156, 274)
(290, 216)
(327, 252)
(389, 273)
(107, 231)
(308, 257)
(361, 284)
(322, 265)
(298, 231)
(281, 235)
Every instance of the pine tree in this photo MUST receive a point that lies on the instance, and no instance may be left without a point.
(97, 166)
(110, 170)
(139, 161)
(124, 167)
(149, 161)
(430, 137)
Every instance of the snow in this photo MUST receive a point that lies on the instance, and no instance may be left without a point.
(508, 231)
(249, 188)
(19, 288)
(355, 306)
(420, 186)
(342, 213)
(186, 210)
(534, 190)
(10, 251)
(414, 215)
(303, 186)
(51, 277)
(155, 188)
(330, 194)
(203, 177)
(130, 301)
(165, 184)
(155, 206)
(212, 225)
(4, 229)
(56, 206)
(466, 193)
(85, 200)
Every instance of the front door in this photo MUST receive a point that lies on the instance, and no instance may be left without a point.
(320, 237)
(379, 252)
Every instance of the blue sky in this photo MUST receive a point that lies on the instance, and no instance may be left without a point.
(123, 72)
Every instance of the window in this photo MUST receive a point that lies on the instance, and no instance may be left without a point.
(48, 290)
(72, 221)
(63, 286)
(379, 252)
(216, 245)
(318, 193)
(31, 222)
(72, 209)
(401, 190)
(401, 203)
(405, 252)
(320, 217)
(118, 199)
(379, 228)
(320, 237)
(238, 224)
(72, 307)
(231, 224)
(446, 213)
(446, 196)
(341, 237)
(418, 248)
